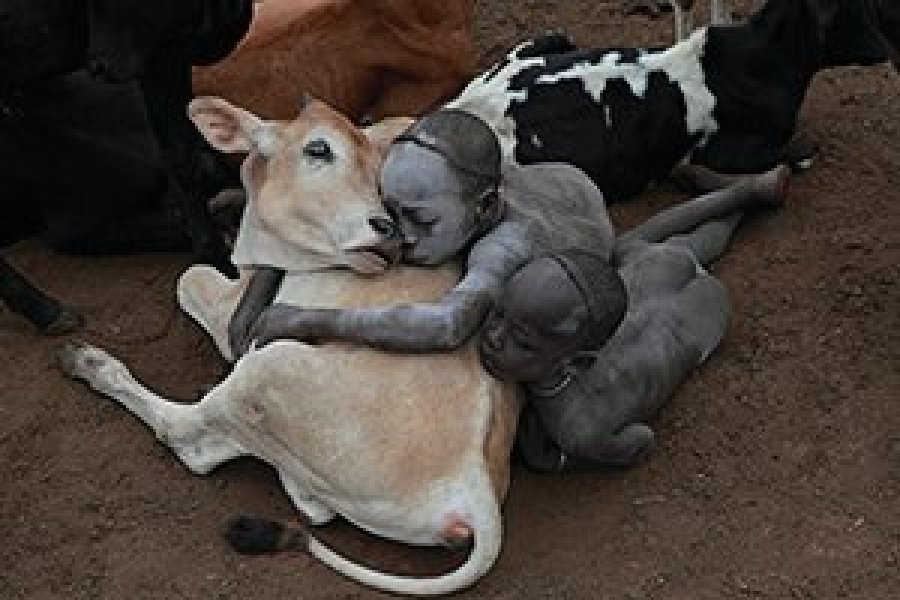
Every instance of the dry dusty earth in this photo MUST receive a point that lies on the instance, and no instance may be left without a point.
(776, 476)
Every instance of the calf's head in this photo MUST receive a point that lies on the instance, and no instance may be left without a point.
(440, 180)
(312, 184)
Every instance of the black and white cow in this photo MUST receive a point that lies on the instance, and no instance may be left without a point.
(96, 151)
(727, 97)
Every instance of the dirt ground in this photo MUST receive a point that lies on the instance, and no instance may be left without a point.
(778, 469)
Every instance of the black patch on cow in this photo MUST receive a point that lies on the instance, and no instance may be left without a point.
(562, 122)
(553, 42)
(758, 74)
(629, 55)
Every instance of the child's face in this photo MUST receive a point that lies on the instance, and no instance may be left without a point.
(537, 326)
(428, 201)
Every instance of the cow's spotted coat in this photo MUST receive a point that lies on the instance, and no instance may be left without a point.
(726, 97)
(621, 115)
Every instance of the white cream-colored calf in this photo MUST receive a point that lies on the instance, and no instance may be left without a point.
(411, 447)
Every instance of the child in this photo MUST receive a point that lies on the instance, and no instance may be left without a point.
(590, 383)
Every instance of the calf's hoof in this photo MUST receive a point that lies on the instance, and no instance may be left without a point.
(66, 321)
(800, 154)
(79, 360)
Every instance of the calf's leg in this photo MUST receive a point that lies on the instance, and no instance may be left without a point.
(721, 12)
(768, 188)
(709, 240)
(684, 18)
(184, 428)
(23, 297)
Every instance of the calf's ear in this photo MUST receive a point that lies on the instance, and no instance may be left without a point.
(226, 127)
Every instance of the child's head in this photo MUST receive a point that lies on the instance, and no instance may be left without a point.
(552, 308)
(440, 180)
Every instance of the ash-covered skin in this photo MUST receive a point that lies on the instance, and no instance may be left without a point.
(535, 327)
(546, 317)
(585, 412)
(446, 204)
(424, 201)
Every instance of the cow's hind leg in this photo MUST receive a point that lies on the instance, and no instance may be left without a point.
(182, 427)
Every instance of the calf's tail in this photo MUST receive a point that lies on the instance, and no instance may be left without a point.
(248, 535)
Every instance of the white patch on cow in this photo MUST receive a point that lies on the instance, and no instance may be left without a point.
(536, 141)
(606, 113)
(681, 63)
(596, 76)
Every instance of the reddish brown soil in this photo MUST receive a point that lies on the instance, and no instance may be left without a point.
(776, 476)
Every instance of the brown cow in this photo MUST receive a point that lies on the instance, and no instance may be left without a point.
(375, 58)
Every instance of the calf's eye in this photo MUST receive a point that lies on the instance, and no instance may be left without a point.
(318, 149)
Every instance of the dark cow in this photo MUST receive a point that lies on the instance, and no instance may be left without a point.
(727, 96)
(97, 152)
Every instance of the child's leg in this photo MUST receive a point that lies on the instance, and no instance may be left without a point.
(622, 449)
(766, 189)
(541, 452)
(697, 179)
(534, 445)
(709, 240)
